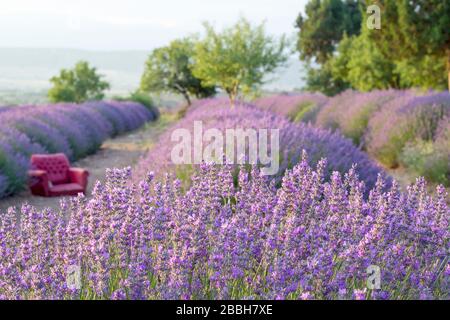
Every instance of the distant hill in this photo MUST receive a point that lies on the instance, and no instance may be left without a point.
(287, 78)
(25, 72)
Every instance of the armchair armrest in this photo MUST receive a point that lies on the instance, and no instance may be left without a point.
(79, 175)
(38, 182)
(38, 174)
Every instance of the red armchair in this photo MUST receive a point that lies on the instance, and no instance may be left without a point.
(52, 176)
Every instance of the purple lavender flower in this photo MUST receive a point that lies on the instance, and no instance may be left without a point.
(406, 118)
(319, 143)
(297, 107)
(309, 239)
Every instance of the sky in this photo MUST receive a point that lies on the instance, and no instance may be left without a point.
(131, 24)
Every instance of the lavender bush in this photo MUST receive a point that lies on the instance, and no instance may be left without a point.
(442, 140)
(310, 239)
(20, 142)
(3, 185)
(430, 159)
(407, 118)
(75, 130)
(395, 127)
(13, 167)
(329, 114)
(216, 113)
(350, 112)
(297, 107)
(95, 126)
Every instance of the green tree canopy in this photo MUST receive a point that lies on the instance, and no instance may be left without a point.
(169, 69)
(80, 84)
(323, 26)
(424, 72)
(360, 63)
(414, 29)
(410, 50)
(322, 79)
(238, 58)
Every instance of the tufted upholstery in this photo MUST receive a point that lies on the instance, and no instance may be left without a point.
(52, 176)
(56, 166)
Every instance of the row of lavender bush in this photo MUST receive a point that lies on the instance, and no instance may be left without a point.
(75, 130)
(294, 137)
(408, 128)
(297, 107)
(309, 239)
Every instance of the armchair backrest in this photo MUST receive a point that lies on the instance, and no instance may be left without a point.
(56, 165)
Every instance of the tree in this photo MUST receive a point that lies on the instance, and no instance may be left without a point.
(238, 58)
(169, 69)
(397, 56)
(424, 72)
(321, 29)
(322, 79)
(77, 85)
(359, 62)
(324, 25)
(140, 97)
(363, 66)
(414, 29)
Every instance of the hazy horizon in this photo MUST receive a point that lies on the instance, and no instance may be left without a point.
(116, 37)
(137, 25)
(25, 72)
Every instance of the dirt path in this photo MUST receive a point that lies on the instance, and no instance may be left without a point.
(119, 152)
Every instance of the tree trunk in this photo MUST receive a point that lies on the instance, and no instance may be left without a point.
(181, 90)
(187, 98)
(231, 97)
(233, 93)
(231, 101)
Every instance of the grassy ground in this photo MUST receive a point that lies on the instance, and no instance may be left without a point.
(119, 152)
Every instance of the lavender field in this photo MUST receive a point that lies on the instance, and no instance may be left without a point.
(309, 239)
(164, 231)
(299, 152)
(396, 128)
(294, 138)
